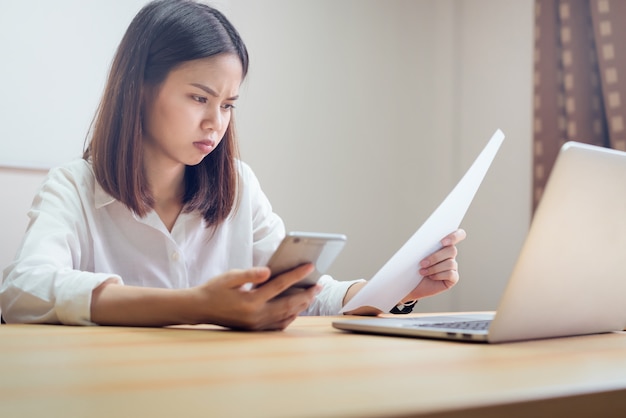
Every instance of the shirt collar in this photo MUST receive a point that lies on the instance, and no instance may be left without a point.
(101, 197)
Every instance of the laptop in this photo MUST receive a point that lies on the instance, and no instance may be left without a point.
(570, 276)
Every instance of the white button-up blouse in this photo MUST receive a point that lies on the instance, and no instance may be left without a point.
(79, 236)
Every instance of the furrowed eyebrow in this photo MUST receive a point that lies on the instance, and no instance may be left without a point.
(210, 91)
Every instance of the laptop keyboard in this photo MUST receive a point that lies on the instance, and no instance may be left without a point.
(478, 325)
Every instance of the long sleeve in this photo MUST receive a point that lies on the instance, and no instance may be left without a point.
(50, 280)
(330, 299)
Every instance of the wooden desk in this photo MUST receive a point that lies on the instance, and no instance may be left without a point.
(309, 370)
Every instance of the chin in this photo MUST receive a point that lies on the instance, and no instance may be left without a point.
(194, 163)
(195, 160)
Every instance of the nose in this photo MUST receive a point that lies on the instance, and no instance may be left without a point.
(212, 120)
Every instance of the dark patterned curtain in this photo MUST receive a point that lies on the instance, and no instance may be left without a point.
(580, 79)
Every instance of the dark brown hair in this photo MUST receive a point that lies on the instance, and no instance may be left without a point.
(164, 34)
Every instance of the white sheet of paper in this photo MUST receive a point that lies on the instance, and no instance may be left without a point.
(400, 274)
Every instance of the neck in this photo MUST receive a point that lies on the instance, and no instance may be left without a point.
(167, 188)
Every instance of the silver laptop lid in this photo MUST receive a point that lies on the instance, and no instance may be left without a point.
(570, 277)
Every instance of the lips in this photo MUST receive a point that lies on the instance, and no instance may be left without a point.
(205, 146)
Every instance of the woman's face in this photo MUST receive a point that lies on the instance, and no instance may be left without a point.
(186, 117)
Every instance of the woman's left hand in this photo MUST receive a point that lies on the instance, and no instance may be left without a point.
(440, 269)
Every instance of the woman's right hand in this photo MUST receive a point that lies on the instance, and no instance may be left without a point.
(226, 300)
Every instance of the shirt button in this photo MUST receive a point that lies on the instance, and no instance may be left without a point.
(175, 256)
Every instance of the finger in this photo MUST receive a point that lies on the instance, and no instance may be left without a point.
(281, 324)
(237, 278)
(441, 267)
(437, 257)
(286, 309)
(454, 238)
(447, 278)
(283, 281)
(268, 318)
(295, 302)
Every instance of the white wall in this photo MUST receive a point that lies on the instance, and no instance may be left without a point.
(359, 116)
(55, 58)
(494, 72)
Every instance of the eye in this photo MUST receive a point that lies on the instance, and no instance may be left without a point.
(228, 106)
(199, 99)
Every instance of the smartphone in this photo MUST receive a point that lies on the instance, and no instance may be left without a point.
(298, 248)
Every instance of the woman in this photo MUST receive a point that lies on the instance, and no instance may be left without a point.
(160, 223)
